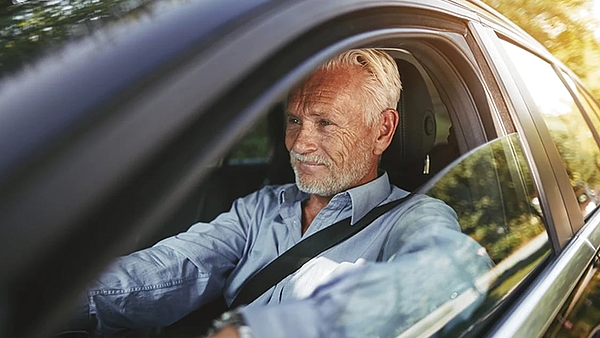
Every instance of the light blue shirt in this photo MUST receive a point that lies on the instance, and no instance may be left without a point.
(377, 283)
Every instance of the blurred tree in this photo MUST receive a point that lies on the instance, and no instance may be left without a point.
(5, 3)
(492, 193)
(565, 28)
(29, 29)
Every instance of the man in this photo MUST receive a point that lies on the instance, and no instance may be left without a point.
(377, 283)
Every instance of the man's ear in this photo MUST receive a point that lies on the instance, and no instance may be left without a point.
(386, 129)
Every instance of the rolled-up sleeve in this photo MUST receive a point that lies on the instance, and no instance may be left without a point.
(426, 262)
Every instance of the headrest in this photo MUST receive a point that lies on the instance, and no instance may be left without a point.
(405, 158)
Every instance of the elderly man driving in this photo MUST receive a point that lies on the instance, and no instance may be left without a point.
(378, 282)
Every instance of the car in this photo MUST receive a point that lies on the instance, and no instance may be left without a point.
(126, 121)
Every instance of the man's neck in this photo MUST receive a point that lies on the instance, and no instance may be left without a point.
(314, 204)
(310, 209)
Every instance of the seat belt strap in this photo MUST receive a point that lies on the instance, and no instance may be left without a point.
(294, 258)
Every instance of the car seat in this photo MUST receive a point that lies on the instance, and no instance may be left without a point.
(406, 160)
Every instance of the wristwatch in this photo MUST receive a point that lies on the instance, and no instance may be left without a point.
(231, 318)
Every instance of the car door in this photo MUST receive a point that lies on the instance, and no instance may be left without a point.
(574, 114)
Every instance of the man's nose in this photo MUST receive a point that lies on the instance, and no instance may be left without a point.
(305, 140)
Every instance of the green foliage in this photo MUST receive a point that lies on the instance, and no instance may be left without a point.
(565, 28)
(577, 148)
(492, 193)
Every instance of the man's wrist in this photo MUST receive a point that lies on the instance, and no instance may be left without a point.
(233, 318)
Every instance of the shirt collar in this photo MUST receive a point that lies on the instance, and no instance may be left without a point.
(369, 195)
(364, 197)
(291, 194)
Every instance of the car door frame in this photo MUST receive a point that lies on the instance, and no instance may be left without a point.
(540, 303)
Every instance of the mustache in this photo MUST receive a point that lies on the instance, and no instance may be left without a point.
(312, 158)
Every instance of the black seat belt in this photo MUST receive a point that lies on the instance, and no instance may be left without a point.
(305, 250)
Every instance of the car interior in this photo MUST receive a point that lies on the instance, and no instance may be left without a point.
(426, 143)
(421, 147)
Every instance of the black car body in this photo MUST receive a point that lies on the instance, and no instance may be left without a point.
(134, 132)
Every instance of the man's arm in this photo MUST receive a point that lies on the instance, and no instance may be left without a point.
(427, 262)
(159, 285)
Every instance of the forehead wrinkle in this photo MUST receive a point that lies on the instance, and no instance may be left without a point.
(320, 104)
(328, 90)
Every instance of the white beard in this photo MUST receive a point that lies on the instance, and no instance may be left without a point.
(339, 179)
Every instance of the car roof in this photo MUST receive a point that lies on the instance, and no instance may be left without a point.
(490, 17)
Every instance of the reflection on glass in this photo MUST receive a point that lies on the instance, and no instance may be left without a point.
(492, 192)
(593, 104)
(580, 317)
(572, 136)
(30, 28)
(589, 106)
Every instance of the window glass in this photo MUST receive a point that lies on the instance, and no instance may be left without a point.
(593, 104)
(579, 317)
(29, 29)
(492, 192)
(590, 107)
(568, 128)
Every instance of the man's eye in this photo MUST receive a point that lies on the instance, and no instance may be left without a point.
(324, 123)
(293, 120)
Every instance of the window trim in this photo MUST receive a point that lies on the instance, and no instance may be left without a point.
(567, 80)
(569, 198)
(542, 161)
(544, 297)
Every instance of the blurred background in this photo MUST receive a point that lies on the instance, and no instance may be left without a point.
(570, 29)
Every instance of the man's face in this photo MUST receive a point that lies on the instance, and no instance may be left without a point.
(331, 147)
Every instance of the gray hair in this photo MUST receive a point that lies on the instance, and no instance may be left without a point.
(383, 86)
